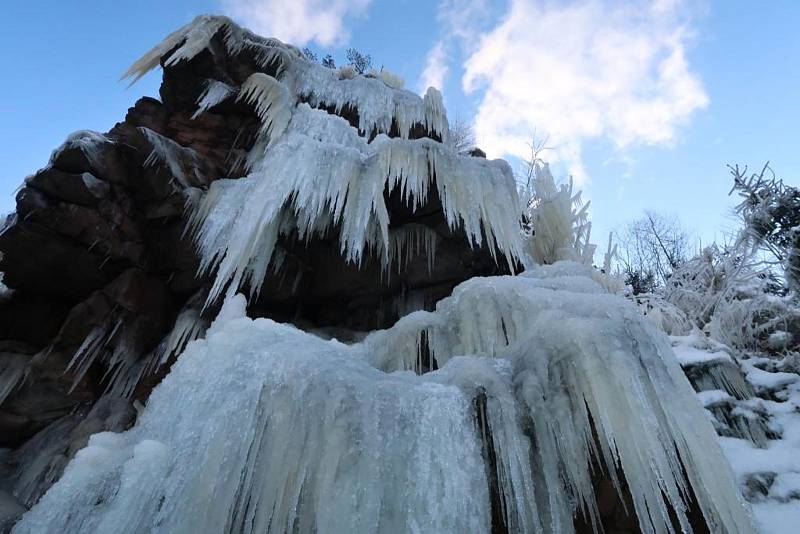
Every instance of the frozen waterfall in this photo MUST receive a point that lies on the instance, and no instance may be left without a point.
(261, 427)
(541, 382)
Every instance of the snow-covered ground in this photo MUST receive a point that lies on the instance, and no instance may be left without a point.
(760, 432)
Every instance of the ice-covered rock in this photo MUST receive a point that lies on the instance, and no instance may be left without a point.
(287, 431)
(479, 401)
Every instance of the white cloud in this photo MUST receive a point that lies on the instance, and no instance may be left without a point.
(582, 70)
(461, 21)
(435, 68)
(297, 21)
(464, 19)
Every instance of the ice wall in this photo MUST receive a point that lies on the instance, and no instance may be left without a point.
(261, 427)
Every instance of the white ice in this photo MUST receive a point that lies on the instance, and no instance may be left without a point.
(261, 427)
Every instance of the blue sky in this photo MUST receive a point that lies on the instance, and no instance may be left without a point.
(645, 102)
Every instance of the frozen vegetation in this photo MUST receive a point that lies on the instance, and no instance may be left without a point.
(734, 317)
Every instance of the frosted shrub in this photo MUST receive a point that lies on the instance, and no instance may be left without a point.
(559, 222)
(728, 296)
(347, 72)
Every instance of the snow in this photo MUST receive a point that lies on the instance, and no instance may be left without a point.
(714, 397)
(688, 353)
(286, 431)
(769, 381)
(779, 340)
(786, 486)
(777, 518)
(759, 424)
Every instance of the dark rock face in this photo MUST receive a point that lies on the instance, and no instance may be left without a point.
(100, 270)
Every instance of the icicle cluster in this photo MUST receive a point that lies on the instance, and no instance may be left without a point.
(409, 241)
(115, 343)
(379, 99)
(320, 173)
(311, 171)
(285, 431)
(215, 93)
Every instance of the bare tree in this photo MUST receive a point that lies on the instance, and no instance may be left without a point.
(310, 54)
(462, 136)
(328, 61)
(651, 248)
(538, 146)
(361, 62)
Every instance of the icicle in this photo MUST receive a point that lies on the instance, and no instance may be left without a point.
(173, 155)
(181, 45)
(13, 370)
(215, 93)
(327, 174)
(408, 242)
(399, 348)
(87, 141)
(435, 114)
(511, 447)
(115, 343)
(362, 452)
(272, 102)
(91, 349)
(188, 326)
(570, 375)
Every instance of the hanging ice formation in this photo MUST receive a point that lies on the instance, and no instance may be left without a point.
(542, 380)
(311, 170)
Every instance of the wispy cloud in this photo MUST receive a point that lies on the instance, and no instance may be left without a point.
(297, 21)
(461, 21)
(579, 70)
(435, 67)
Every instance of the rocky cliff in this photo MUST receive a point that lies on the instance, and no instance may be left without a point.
(104, 281)
(335, 202)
